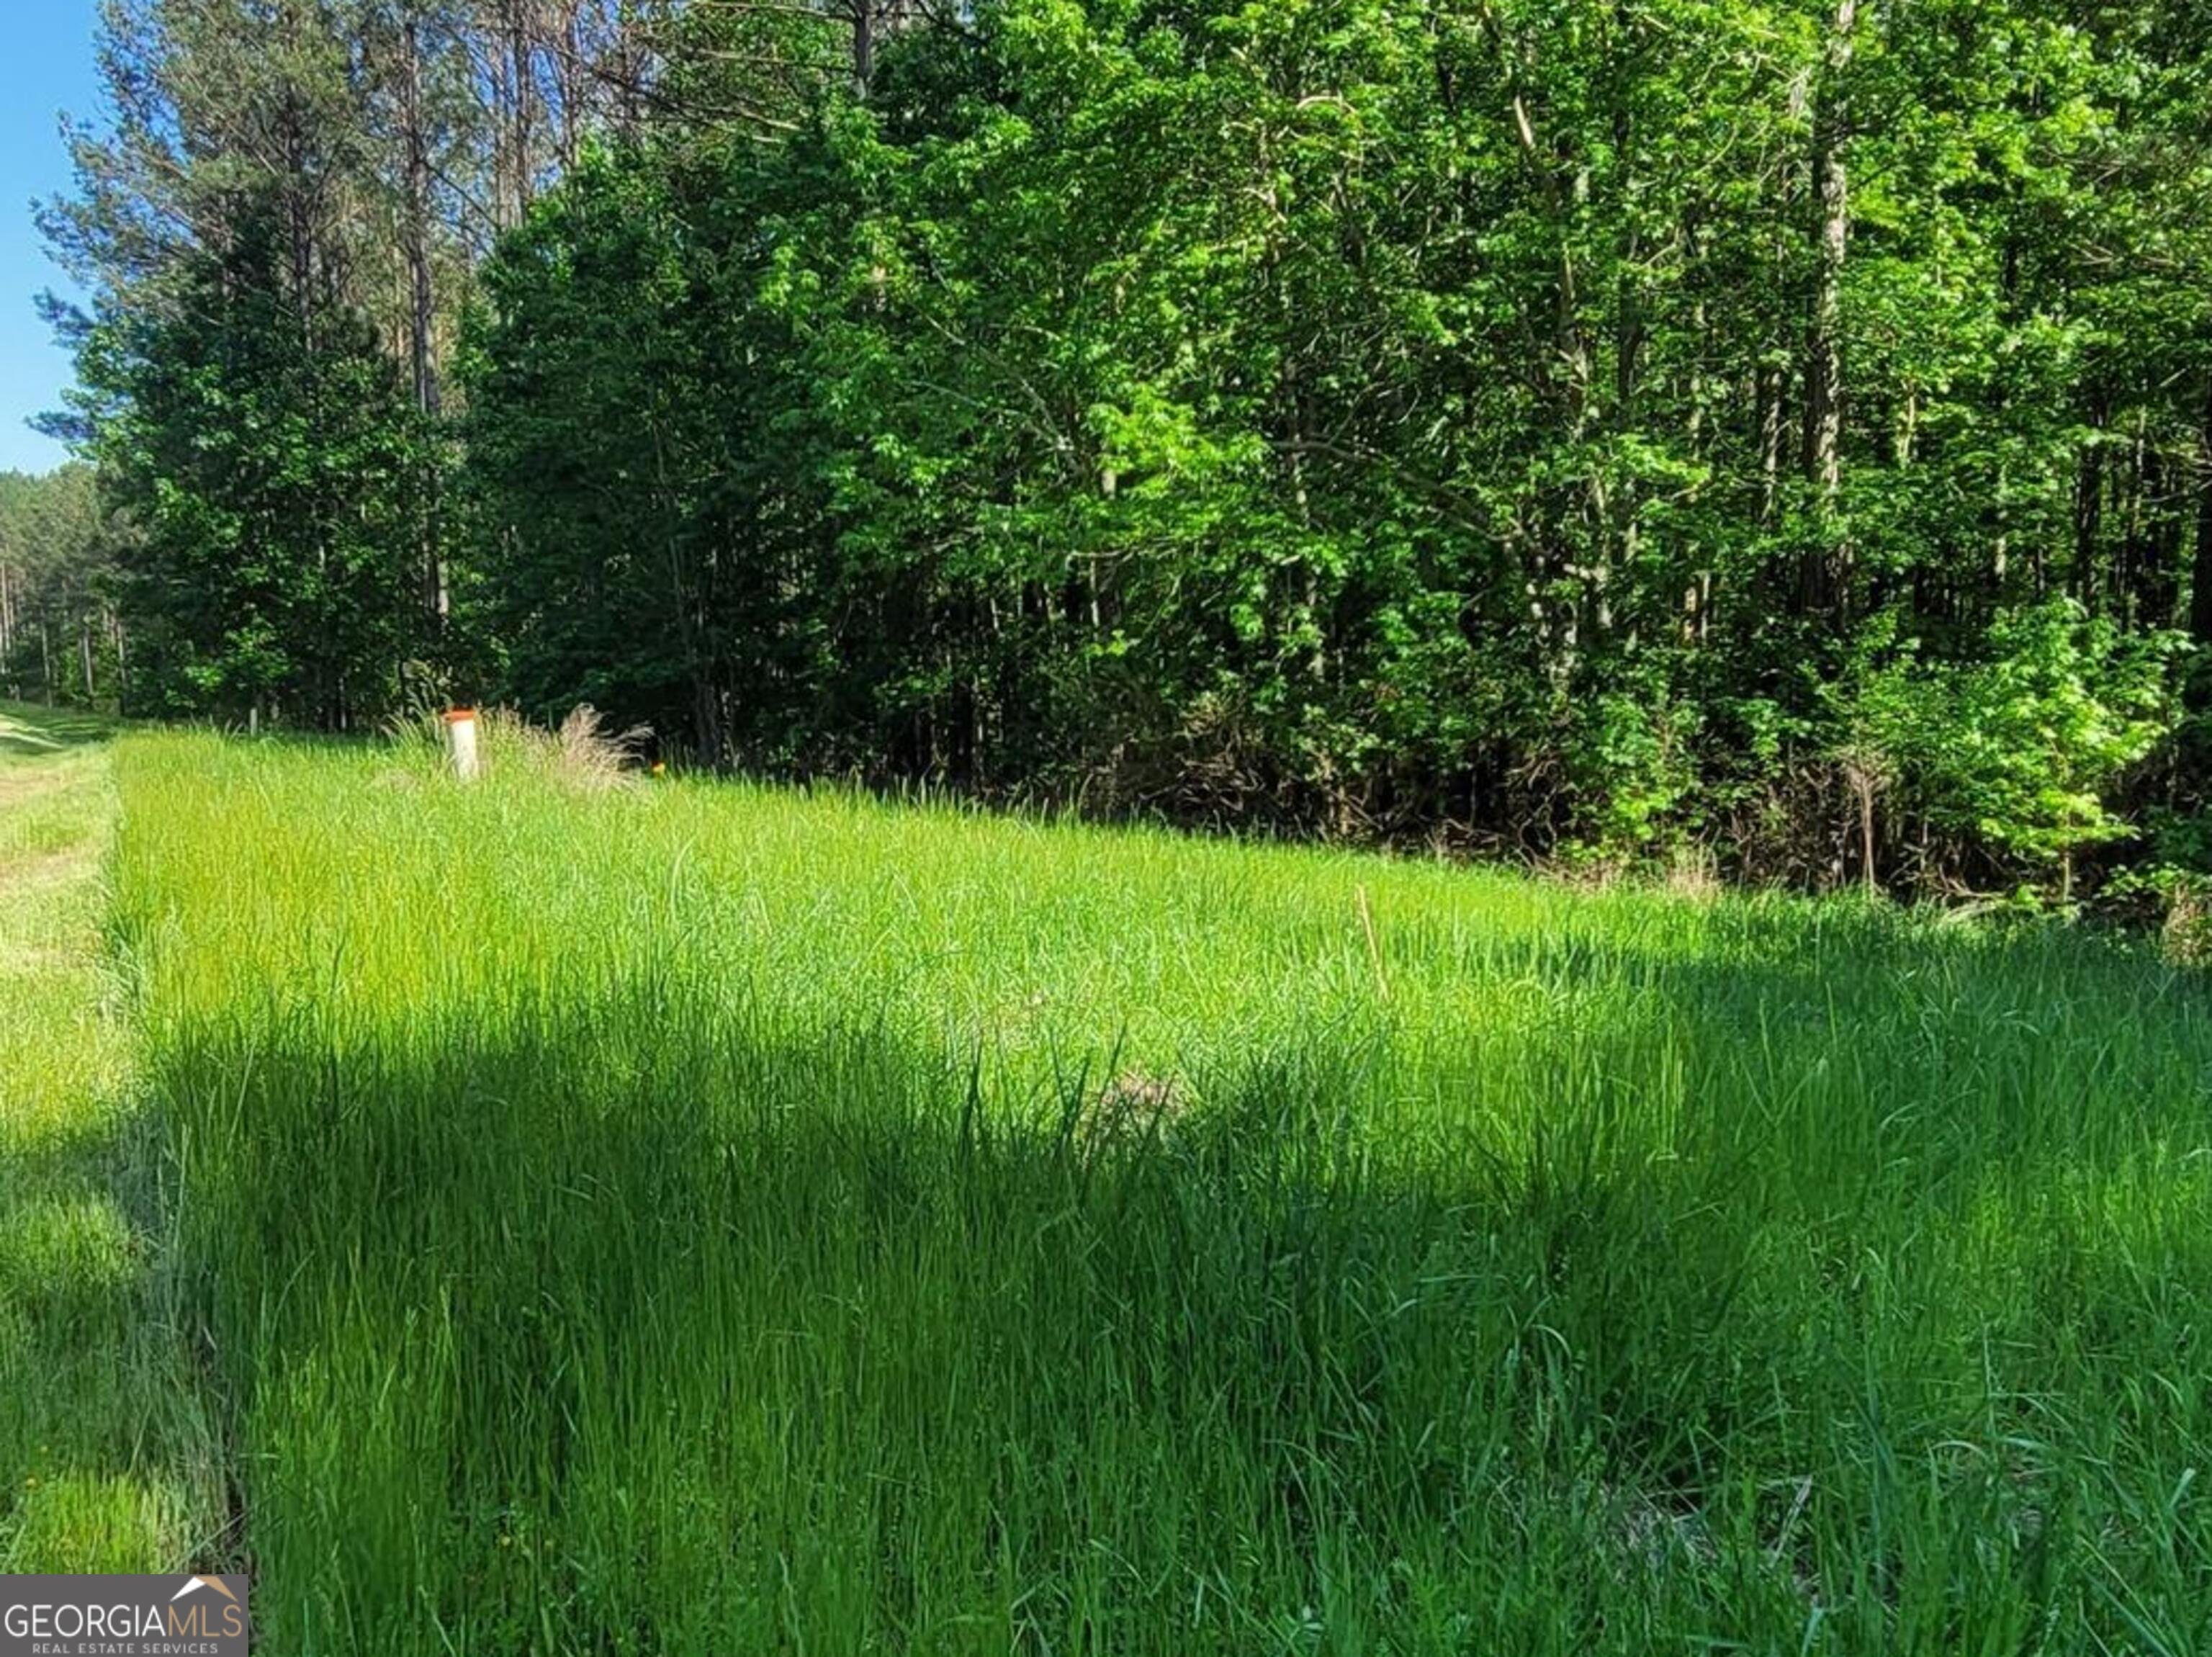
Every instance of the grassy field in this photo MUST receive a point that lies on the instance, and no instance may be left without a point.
(693, 1219)
(106, 1462)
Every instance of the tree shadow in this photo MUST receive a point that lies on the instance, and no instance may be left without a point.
(26, 731)
(646, 1324)
(100, 1436)
(102, 1461)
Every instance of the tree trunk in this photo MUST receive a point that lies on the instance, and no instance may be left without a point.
(864, 44)
(2200, 575)
(299, 226)
(1568, 383)
(1864, 784)
(1826, 562)
(422, 312)
(1769, 394)
(512, 138)
(574, 82)
(2089, 490)
(874, 22)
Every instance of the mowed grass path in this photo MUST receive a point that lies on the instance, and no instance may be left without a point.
(696, 1219)
(106, 1460)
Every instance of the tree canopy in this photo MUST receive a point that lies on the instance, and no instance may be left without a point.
(1782, 432)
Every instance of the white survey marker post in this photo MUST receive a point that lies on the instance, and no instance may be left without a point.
(461, 740)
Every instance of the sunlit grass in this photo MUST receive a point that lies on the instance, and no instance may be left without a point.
(679, 1220)
(106, 1460)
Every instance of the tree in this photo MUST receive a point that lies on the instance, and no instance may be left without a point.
(1577, 429)
(60, 637)
(267, 454)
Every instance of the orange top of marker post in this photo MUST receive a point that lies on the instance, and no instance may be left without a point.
(455, 715)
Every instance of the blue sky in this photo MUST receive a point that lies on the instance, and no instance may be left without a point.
(45, 68)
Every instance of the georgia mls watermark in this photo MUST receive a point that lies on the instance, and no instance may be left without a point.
(123, 1617)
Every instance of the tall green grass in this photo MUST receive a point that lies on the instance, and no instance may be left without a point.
(696, 1219)
(106, 1463)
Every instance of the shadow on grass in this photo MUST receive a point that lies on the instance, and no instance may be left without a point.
(102, 1465)
(100, 1417)
(643, 1325)
(29, 731)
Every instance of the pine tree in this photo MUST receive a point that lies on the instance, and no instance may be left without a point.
(268, 453)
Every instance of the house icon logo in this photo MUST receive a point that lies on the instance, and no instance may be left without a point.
(194, 1584)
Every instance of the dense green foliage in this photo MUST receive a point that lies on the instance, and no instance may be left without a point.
(1783, 431)
(1388, 419)
(271, 462)
(576, 1213)
(684, 1218)
(60, 636)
